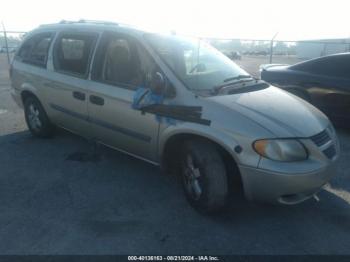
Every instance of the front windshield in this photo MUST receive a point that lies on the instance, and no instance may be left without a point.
(198, 65)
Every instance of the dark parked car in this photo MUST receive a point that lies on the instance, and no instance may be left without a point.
(263, 53)
(324, 82)
(236, 55)
(233, 55)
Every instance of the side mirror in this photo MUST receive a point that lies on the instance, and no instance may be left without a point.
(158, 83)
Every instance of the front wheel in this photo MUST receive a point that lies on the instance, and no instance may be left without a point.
(204, 176)
(37, 120)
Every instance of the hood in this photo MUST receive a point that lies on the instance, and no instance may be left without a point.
(280, 112)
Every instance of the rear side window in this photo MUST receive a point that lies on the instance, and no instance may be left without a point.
(35, 50)
(72, 53)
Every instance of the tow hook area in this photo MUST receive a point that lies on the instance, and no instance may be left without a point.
(292, 199)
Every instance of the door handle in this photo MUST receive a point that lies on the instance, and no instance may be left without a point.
(79, 95)
(97, 100)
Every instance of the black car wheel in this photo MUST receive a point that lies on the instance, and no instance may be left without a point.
(204, 176)
(36, 118)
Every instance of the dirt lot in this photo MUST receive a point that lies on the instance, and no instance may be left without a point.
(53, 202)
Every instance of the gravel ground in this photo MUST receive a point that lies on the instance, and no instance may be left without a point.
(56, 199)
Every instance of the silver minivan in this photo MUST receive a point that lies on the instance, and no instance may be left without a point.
(178, 103)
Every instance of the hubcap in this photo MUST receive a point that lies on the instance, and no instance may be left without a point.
(33, 117)
(191, 176)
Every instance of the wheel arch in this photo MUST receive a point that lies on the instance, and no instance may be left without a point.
(27, 90)
(27, 93)
(172, 145)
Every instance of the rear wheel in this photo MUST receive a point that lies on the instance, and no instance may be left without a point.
(204, 176)
(36, 118)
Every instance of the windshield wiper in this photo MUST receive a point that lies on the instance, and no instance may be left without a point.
(249, 88)
(218, 88)
(236, 78)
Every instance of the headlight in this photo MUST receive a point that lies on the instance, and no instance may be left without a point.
(287, 150)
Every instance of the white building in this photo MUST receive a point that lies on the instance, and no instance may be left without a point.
(317, 48)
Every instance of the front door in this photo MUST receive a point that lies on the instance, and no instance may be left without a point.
(118, 71)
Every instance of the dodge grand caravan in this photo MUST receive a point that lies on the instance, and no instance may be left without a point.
(178, 103)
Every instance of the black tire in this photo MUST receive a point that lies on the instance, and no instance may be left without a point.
(42, 127)
(212, 178)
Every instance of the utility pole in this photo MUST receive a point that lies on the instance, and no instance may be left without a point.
(271, 47)
(6, 44)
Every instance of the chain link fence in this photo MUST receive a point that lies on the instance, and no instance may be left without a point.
(250, 54)
(9, 42)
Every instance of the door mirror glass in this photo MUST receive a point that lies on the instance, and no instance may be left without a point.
(158, 83)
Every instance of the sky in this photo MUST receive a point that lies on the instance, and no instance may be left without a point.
(245, 19)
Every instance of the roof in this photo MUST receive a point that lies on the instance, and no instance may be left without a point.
(89, 24)
(81, 22)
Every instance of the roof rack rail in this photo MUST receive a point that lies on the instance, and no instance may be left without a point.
(88, 21)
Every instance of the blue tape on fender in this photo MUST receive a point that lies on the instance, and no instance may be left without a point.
(145, 97)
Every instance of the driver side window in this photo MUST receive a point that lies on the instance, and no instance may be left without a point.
(121, 63)
(118, 62)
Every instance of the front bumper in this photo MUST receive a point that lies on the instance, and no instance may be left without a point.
(267, 186)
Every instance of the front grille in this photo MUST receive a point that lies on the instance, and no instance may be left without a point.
(321, 138)
(330, 152)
